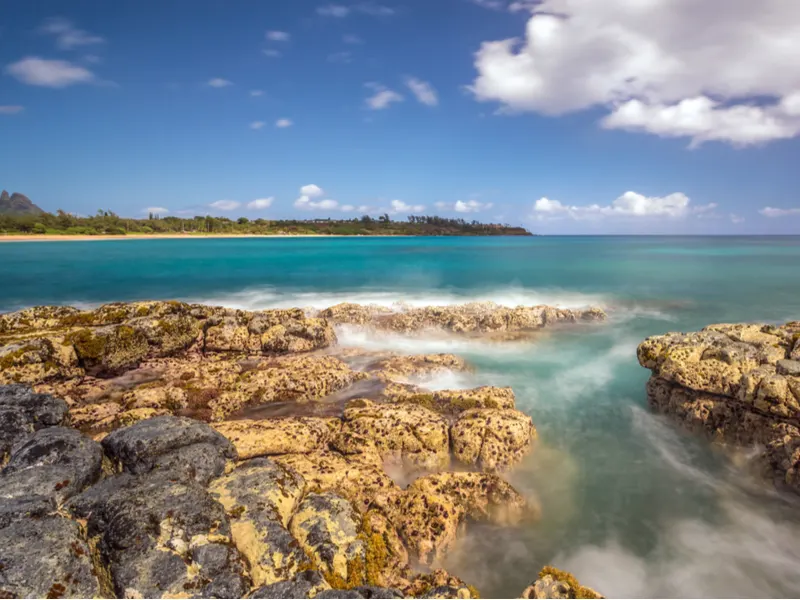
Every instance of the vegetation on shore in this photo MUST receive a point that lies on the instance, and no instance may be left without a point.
(108, 223)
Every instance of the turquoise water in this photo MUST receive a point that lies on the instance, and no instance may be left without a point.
(630, 504)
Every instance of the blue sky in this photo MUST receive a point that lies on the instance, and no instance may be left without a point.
(599, 118)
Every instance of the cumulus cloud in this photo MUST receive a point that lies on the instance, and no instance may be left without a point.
(283, 123)
(368, 8)
(382, 98)
(278, 36)
(49, 73)
(490, 4)
(398, 207)
(306, 203)
(257, 125)
(464, 206)
(666, 67)
(629, 204)
(218, 82)
(311, 190)
(11, 109)
(423, 91)
(156, 210)
(67, 35)
(225, 205)
(260, 203)
(769, 211)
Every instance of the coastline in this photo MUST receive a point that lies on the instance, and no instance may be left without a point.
(98, 238)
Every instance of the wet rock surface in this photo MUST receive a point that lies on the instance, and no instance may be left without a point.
(131, 467)
(554, 583)
(737, 383)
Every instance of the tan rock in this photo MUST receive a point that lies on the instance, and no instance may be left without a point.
(554, 583)
(37, 360)
(492, 439)
(450, 402)
(87, 417)
(267, 437)
(402, 433)
(418, 367)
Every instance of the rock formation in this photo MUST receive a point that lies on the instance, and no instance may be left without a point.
(131, 467)
(737, 383)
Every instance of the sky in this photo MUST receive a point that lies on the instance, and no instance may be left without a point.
(564, 116)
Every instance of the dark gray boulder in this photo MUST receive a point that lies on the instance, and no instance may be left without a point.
(162, 536)
(186, 448)
(23, 411)
(46, 558)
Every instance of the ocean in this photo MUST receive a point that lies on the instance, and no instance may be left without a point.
(631, 504)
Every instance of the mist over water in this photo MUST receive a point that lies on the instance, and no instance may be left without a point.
(631, 504)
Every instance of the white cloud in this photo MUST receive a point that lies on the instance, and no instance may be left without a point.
(768, 211)
(736, 219)
(629, 204)
(261, 203)
(311, 190)
(156, 210)
(471, 206)
(257, 125)
(352, 39)
(398, 206)
(218, 82)
(283, 123)
(11, 109)
(716, 71)
(367, 8)
(382, 98)
(225, 205)
(347, 208)
(306, 203)
(341, 57)
(92, 59)
(423, 91)
(272, 53)
(49, 73)
(67, 35)
(278, 36)
(256, 93)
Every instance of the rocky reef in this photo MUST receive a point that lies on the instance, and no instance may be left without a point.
(738, 384)
(164, 449)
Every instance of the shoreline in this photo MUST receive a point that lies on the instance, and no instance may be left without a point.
(177, 236)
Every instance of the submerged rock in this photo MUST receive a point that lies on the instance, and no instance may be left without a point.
(735, 382)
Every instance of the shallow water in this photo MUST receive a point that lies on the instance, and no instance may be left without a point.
(630, 504)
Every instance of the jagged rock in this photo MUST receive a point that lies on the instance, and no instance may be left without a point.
(266, 437)
(432, 510)
(183, 446)
(36, 318)
(306, 584)
(554, 583)
(46, 557)
(55, 462)
(402, 369)
(439, 584)
(108, 350)
(450, 402)
(492, 439)
(465, 318)
(735, 382)
(268, 332)
(402, 433)
(327, 527)
(161, 537)
(168, 334)
(260, 497)
(22, 411)
(32, 361)
(359, 477)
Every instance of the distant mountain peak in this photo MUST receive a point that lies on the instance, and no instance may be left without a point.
(17, 204)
